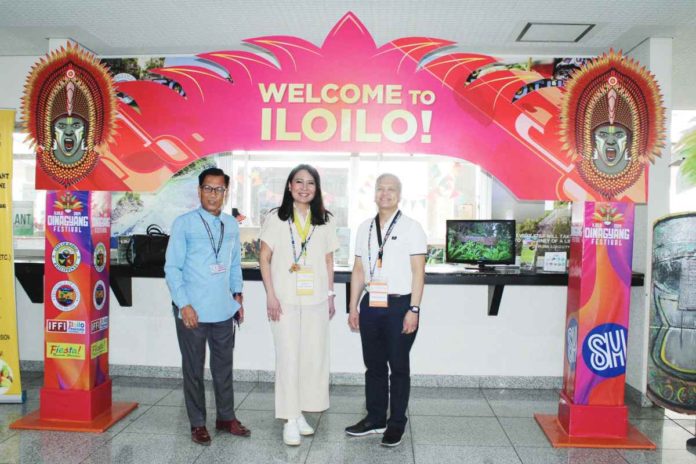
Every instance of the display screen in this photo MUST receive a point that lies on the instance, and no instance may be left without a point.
(481, 241)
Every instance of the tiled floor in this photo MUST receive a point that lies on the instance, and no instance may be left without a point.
(447, 425)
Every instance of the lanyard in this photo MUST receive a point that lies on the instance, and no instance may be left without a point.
(212, 240)
(380, 242)
(304, 229)
(303, 247)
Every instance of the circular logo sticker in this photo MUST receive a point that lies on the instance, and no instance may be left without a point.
(604, 350)
(99, 295)
(99, 257)
(65, 295)
(66, 257)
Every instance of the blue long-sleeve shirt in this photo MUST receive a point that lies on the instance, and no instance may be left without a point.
(190, 256)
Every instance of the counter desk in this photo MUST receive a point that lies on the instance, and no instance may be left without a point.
(29, 273)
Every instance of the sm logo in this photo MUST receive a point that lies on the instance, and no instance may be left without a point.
(604, 350)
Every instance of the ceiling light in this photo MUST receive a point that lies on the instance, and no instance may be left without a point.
(554, 32)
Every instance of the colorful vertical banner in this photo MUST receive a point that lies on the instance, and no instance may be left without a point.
(76, 306)
(10, 380)
(597, 319)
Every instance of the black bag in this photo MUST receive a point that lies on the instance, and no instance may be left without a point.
(148, 250)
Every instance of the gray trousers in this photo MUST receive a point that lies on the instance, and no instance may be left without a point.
(220, 339)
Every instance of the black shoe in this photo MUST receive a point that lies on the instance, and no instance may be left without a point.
(691, 442)
(392, 437)
(363, 428)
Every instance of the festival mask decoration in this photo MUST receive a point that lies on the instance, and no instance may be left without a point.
(612, 122)
(69, 109)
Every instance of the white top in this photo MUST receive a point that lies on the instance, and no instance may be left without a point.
(407, 239)
(276, 234)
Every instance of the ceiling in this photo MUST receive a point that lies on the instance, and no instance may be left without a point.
(141, 27)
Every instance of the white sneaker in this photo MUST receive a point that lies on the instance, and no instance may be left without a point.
(305, 428)
(291, 433)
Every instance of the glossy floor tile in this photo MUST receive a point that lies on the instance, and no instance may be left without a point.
(446, 425)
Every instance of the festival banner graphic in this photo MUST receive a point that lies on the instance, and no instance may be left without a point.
(351, 95)
(597, 312)
(77, 229)
(69, 109)
(591, 411)
(672, 347)
(10, 379)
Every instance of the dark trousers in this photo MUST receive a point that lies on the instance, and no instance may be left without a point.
(385, 348)
(220, 339)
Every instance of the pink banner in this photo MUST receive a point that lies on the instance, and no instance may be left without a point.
(349, 95)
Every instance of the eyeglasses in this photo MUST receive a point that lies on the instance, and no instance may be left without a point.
(208, 189)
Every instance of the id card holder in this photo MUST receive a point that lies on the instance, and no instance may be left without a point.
(378, 294)
(217, 268)
(305, 281)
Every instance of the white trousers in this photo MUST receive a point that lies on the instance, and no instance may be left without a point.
(301, 339)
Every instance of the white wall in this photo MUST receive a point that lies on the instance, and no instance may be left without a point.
(656, 55)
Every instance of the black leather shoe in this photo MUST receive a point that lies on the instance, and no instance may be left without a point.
(364, 427)
(392, 437)
(691, 442)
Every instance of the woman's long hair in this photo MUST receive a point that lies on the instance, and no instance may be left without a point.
(320, 215)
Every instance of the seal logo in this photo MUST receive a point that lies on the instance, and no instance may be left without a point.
(99, 295)
(65, 295)
(99, 257)
(66, 257)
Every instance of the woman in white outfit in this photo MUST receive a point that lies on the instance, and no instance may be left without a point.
(297, 244)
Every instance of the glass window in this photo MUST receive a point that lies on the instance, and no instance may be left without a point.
(435, 188)
(682, 191)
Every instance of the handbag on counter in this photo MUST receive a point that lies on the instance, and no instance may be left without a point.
(148, 250)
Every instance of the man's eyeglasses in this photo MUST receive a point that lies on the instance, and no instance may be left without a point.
(208, 189)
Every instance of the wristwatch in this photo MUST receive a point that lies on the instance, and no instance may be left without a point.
(332, 293)
(414, 309)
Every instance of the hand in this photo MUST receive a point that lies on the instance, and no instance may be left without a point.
(354, 320)
(240, 299)
(189, 316)
(410, 322)
(332, 306)
(273, 308)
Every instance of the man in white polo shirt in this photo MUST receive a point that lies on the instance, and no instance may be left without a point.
(390, 254)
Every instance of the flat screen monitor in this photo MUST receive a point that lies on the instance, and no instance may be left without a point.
(480, 242)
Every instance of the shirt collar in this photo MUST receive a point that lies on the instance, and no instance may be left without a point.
(391, 219)
(208, 217)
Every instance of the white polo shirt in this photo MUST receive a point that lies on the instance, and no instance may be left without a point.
(407, 239)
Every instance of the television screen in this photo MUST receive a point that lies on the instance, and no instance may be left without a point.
(480, 241)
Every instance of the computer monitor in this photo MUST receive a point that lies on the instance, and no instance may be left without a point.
(480, 242)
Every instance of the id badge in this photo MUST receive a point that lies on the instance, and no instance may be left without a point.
(378, 294)
(305, 281)
(217, 268)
